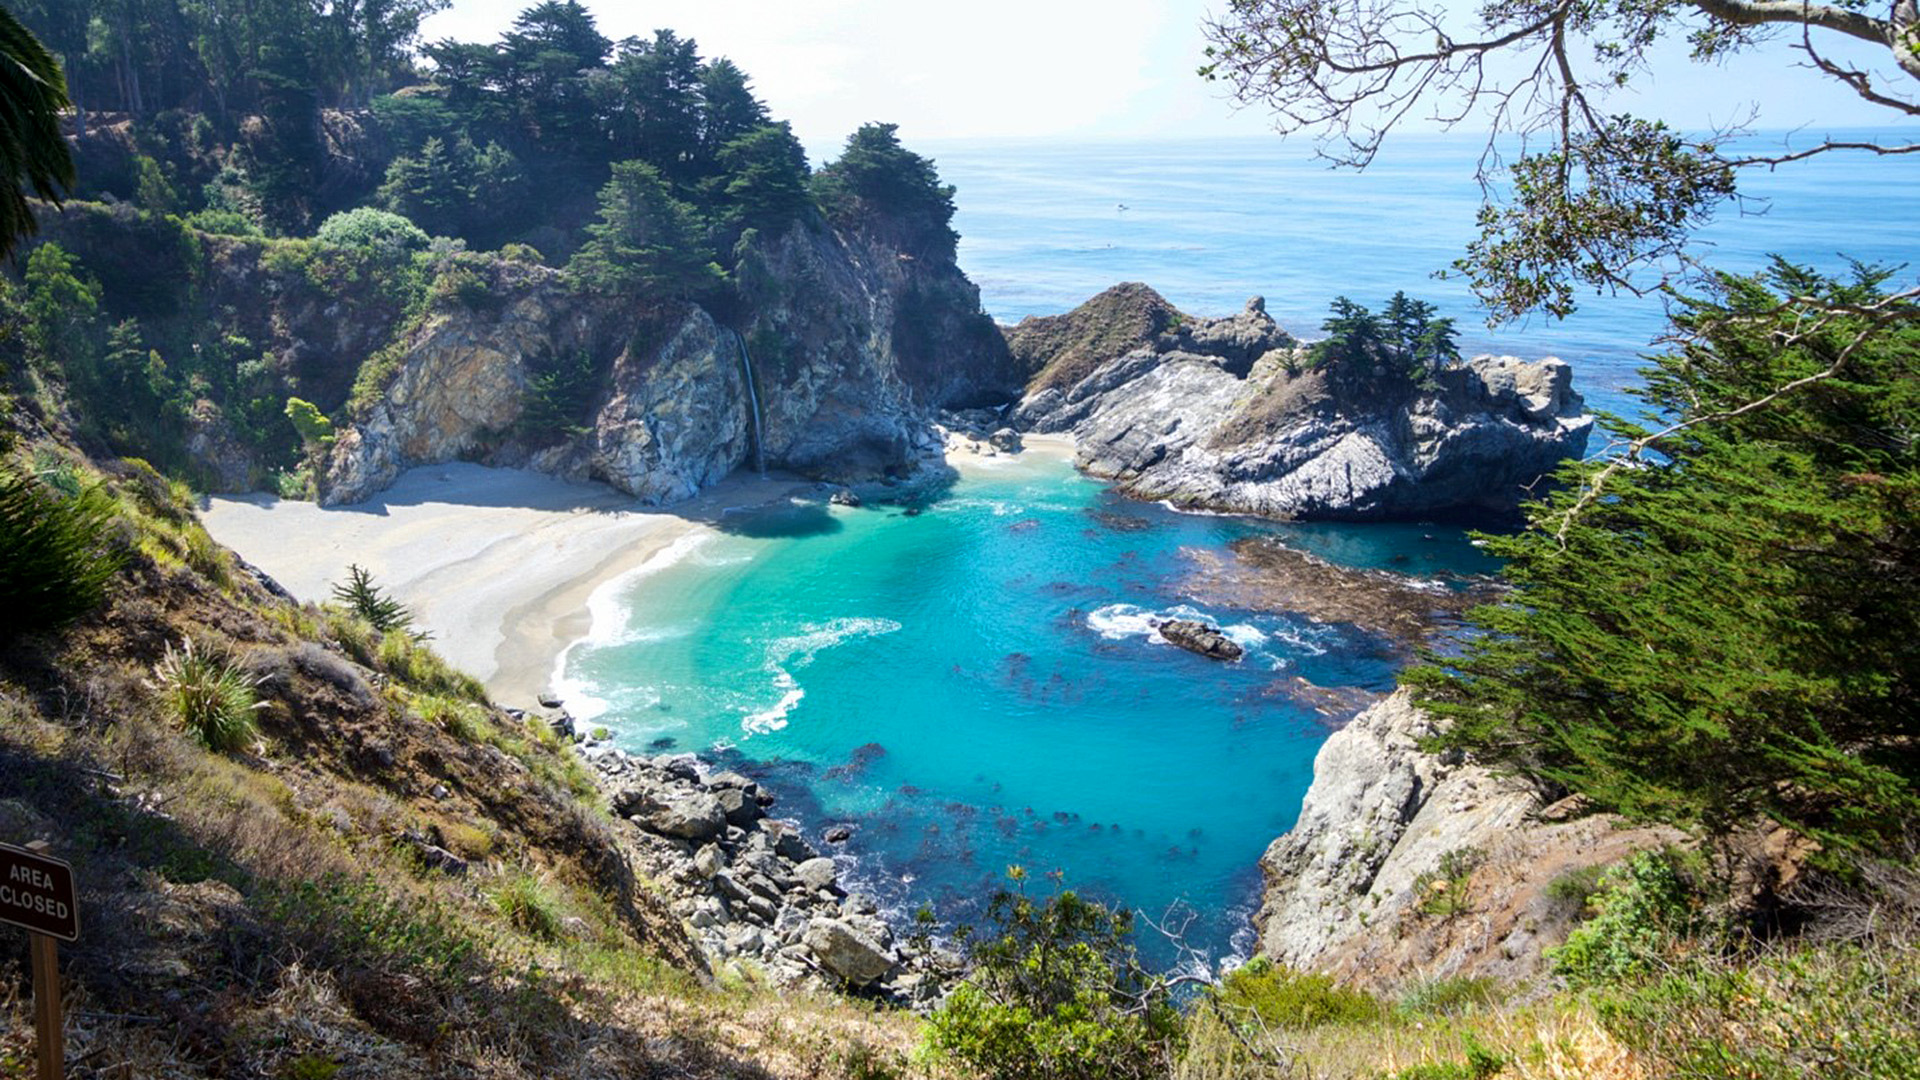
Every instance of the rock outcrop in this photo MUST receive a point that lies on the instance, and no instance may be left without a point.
(1230, 414)
(1385, 827)
(847, 348)
(753, 887)
(1198, 637)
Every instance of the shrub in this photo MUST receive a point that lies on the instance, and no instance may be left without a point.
(375, 230)
(529, 906)
(1449, 996)
(1056, 990)
(1442, 891)
(211, 695)
(1643, 907)
(1282, 997)
(224, 223)
(523, 253)
(1481, 1063)
(312, 424)
(56, 553)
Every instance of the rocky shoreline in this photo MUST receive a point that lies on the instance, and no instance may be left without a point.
(752, 887)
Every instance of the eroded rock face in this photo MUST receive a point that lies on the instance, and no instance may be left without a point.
(1227, 414)
(1343, 890)
(853, 347)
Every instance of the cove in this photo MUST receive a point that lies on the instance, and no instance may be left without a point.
(973, 683)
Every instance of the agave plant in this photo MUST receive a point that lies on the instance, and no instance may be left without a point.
(212, 695)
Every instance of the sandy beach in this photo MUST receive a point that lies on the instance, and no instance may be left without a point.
(498, 564)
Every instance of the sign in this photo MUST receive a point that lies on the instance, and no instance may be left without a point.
(37, 894)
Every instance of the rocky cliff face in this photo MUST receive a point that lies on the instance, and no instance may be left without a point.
(1406, 865)
(1227, 414)
(852, 347)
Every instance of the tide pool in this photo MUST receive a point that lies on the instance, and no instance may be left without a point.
(976, 685)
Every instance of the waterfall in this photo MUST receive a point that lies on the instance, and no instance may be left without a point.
(753, 398)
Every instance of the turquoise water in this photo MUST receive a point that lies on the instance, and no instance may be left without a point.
(975, 685)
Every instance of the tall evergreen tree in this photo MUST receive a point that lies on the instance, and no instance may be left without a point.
(882, 184)
(1728, 632)
(766, 175)
(728, 108)
(646, 241)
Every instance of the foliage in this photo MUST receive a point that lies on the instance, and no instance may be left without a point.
(1283, 998)
(1404, 339)
(33, 157)
(879, 183)
(528, 906)
(766, 179)
(56, 552)
(646, 241)
(1056, 990)
(379, 231)
(1727, 633)
(1798, 1011)
(1642, 907)
(1594, 197)
(1449, 995)
(1443, 889)
(370, 602)
(1481, 1063)
(314, 427)
(60, 304)
(560, 391)
(212, 696)
(224, 223)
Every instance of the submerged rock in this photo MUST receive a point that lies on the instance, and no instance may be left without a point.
(1200, 638)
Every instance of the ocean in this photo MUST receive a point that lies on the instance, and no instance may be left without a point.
(975, 685)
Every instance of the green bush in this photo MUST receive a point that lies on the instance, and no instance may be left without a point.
(1056, 991)
(224, 223)
(56, 552)
(1284, 998)
(529, 906)
(376, 230)
(1643, 908)
(211, 695)
(1449, 996)
(1442, 891)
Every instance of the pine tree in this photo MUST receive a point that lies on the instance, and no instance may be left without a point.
(646, 241)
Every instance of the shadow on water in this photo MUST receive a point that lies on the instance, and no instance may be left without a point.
(788, 521)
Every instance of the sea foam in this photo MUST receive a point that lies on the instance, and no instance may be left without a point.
(797, 651)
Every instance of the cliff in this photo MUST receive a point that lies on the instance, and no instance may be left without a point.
(847, 347)
(1231, 414)
(1406, 865)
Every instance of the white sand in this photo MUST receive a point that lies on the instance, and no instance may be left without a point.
(497, 563)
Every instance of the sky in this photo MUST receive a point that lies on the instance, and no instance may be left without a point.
(1086, 69)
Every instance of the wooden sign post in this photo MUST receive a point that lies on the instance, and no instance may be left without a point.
(37, 895)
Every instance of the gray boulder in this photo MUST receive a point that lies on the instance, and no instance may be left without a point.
(847, 952)
(815, 874)
(697, 817)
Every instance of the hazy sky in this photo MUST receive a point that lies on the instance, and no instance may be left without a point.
(1082, 68)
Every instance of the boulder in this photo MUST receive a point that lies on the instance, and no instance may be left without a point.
(1005, 439)
(847, 952)
(838, 834)
(1200, 638)
(816, 874)
(709, 861)
(788, 843)
(697, 817)
(844, 497)
(739, 807)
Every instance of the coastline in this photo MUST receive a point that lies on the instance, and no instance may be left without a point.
(498, 564)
